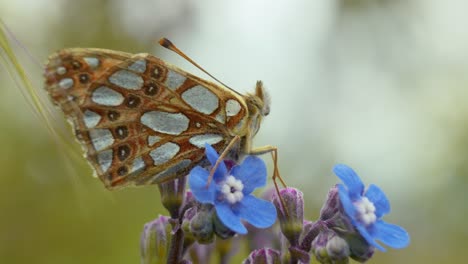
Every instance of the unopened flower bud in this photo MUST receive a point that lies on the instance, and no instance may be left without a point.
(172, 195)
(201, 225)
(332, 204)
(155, 241)
(189, 238)
(328, 247)
(189, 200)
(299, 254)
(220, 229)
(360, 250)
(263, 256)
(291, 217)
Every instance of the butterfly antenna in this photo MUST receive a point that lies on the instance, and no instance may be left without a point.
(170, 46)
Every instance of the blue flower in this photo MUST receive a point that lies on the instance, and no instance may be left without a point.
(365, 208)
(230, 192)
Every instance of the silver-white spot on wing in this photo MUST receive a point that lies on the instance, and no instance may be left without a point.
(220, 117)
(174, 80)
(91, 119)
(138, 165)
(152, 140)
(106, 96)
(232, 107)
(164, 122)
(171, 170)
(164, 153)
(92, 62)
(138, 66)
(105, 159)
(101, 138)
(61, 70)
(201, 99)
(66, 83)
(127, 79)
(201, 140)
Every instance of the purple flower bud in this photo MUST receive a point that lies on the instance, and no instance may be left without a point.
(299, 254)
(189, 214)
(201, 225)
(332, 204)
(189, 199)
(263, 256)
(172, 195)
(328, 247)
(155, 240)
(291, 217)
(307, 226)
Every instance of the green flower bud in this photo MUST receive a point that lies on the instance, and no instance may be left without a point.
(201, 225)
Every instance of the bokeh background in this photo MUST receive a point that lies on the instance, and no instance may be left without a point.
(380, 85)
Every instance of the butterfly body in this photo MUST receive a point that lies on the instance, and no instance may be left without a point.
(143, 121)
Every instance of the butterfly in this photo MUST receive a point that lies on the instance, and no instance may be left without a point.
(144, 121)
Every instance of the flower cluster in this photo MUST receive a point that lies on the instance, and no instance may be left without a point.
(350, 223)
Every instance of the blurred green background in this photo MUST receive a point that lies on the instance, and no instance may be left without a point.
(379, 85)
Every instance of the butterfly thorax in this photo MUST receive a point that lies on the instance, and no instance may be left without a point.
(258, 106)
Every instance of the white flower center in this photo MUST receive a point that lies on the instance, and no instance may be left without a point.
(365, 211)
(232, 189)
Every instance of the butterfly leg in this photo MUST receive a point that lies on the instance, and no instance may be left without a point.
(274, 154)
(276, 175)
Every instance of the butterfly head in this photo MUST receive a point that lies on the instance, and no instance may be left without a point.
(259, 103)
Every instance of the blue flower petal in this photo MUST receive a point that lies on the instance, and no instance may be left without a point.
(378, 198)
(213, 156)
(229, 219)
(369, 238)
(257, 212)
(350, 179)
(346, 202)
(392, 235)
(198, 178)
(252, 172)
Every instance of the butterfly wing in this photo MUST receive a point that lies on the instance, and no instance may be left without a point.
(141, 120)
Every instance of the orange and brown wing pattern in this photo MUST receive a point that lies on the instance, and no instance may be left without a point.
(140, 120)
